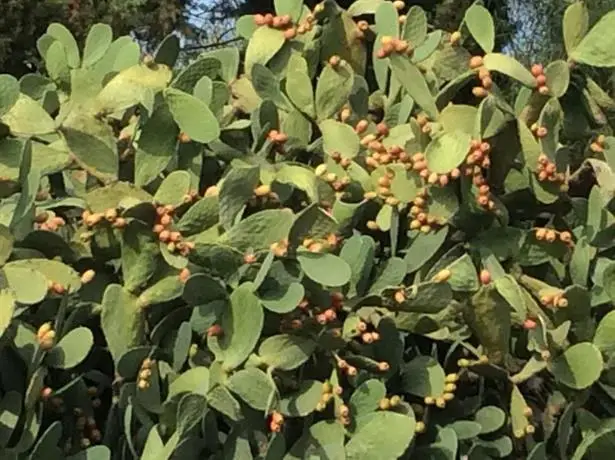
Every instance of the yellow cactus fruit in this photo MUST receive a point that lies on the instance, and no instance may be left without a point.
(87, 276)
(384, 404)
(442, 276)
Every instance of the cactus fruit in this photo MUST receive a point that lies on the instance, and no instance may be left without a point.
(485, 277)
(268, 228)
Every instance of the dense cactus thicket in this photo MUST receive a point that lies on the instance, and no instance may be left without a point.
(283, 255)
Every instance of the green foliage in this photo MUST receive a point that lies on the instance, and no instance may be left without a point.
(303, 254)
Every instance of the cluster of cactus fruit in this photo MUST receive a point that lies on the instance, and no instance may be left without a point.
(341, 241)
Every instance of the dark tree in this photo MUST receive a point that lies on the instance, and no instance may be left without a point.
(22, 22)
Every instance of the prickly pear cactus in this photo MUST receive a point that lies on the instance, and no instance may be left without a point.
(343, 240)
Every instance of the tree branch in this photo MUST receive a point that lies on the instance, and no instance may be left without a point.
(211, 45)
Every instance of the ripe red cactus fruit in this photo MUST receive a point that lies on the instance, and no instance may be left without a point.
(215, 331)
(184, 274)
(476, 62)
(249, 258)
(480, 92)
(335, 61)
(330, 314)
(259, 20)
(529, 324)
(46, 393)
(485, 277)
(537, 70)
